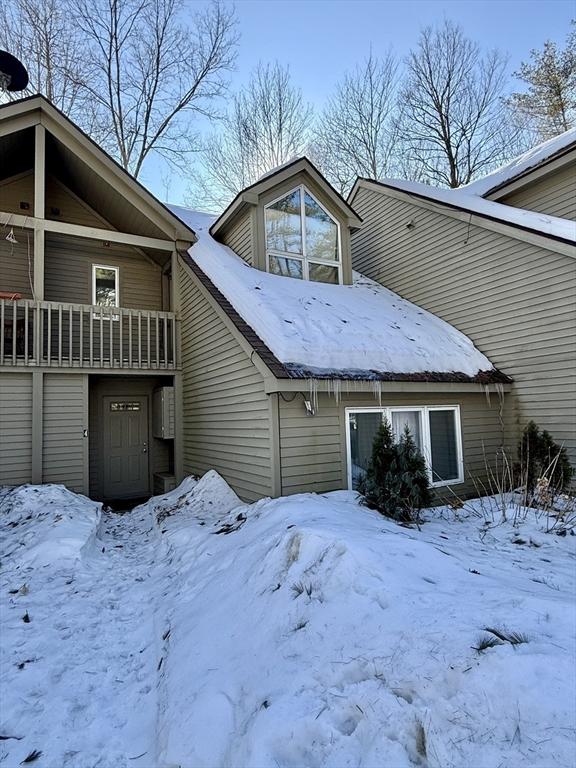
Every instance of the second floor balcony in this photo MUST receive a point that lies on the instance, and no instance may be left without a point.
(63, 335)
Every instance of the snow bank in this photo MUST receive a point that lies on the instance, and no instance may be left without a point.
(521, 164)
(351, 328)
(467, 199)
(42, 524)
(204, 500)
(309, 630)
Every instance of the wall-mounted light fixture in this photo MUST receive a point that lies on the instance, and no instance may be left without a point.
(411, 225)
(309, 408)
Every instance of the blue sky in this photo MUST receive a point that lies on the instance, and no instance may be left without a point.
(321, 39)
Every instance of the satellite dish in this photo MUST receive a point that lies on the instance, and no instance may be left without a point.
(13, 75)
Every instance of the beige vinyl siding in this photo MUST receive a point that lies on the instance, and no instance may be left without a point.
(72, 210)
(554, 194)
(65, 417)
(239, 237)
(515, 300)
(226, 422)
(68, 272)
(15, 428)
(16, 190)
(17, 263)
(313, 449)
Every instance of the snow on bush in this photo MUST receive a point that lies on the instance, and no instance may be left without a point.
(309, 630)
(41, 524)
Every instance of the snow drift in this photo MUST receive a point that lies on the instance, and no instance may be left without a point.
(46, 523)
(309, 630)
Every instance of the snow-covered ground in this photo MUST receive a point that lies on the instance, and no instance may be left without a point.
(303, 631)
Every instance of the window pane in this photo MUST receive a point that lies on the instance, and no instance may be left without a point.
(321, 231)
(322, 273)
(443, 445)
(284, 224)
(410, 419)
(124, 406)
(106, 292)
(286, 267)
(363, 428)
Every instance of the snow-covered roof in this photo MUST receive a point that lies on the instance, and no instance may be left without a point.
(277, 175)
(317, 329)
(541, 223)
(278, 167)
(521, 164)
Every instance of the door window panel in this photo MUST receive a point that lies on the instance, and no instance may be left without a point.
(363, 427)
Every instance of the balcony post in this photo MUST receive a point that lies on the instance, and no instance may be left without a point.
(39, 210)
(178, 383)
(37, 425)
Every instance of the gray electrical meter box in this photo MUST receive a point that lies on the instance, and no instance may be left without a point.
(163, 413)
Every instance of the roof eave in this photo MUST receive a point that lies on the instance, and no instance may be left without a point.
(294, 372)
(37, 102)
(249, 196)
(360, 181)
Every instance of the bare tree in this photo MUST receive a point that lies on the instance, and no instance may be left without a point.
(42, 34)
(153, 72)
(267, 125)
(355, 133)
(549, 104)
(453, 123)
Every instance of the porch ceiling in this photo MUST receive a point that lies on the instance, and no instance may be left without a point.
(17, 153)
(96, 192)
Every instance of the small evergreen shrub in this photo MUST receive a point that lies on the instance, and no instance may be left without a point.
(396, 481)
(541, 458)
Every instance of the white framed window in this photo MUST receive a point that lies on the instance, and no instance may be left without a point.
(436, 430)
(302, 239)
(105, 287)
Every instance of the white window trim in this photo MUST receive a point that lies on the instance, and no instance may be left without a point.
(426, 444)
(303, 257)
(116, 271)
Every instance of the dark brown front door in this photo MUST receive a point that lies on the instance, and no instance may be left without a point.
(125, 447)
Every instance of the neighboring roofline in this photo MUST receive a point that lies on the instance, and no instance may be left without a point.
(40, 102)
(247, 195)
(461, 208)
(294, 371)
(528, 171)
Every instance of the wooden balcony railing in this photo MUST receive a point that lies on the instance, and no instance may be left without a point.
(45, 333)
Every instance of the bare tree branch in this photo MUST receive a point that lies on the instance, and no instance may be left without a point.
(267, 125)
(453, 122)
(355, 133)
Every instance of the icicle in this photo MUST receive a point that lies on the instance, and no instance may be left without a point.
(487, 393)
(337, 389)
(313, 384)
(377, 390)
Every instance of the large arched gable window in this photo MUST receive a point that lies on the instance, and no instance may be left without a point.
(302, 238)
